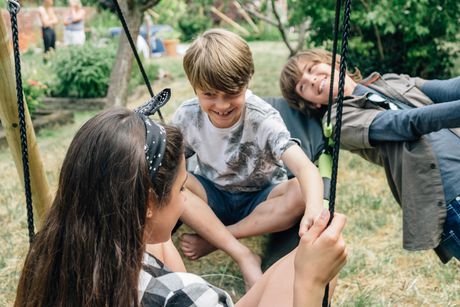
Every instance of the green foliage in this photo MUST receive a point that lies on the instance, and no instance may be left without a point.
(170, 12)
(82, 71)
(193, 25)
(151, 69)
(401, 36)
(36, 76)
(34, 91)
(101, 22)
(267, 33)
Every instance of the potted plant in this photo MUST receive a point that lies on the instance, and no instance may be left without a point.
(170, 40)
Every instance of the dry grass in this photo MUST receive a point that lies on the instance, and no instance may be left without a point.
(379, 272)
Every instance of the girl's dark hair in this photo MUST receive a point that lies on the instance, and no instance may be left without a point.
(90, 248)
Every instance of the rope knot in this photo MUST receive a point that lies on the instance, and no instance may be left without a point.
(13, 6)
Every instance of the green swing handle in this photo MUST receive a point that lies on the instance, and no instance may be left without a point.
(325, 164)
(325, 170)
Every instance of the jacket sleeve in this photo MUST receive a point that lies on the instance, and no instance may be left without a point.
(411, 124)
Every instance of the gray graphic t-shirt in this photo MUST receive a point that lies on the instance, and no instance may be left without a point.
(242, 158)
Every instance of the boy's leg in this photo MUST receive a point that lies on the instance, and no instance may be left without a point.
(283, 207)
(442, 90)
(199, 216)
(450, 239)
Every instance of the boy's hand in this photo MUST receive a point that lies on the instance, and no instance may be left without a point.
(321, 252)
(311, 214)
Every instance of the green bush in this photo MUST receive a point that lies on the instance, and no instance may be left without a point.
(82, 71)
(417, 37)
(36, 76)
(193, 25)
(34, 91)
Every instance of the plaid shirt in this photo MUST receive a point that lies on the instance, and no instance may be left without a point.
(158, 286)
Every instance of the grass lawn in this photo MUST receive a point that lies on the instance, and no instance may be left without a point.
(378, 273)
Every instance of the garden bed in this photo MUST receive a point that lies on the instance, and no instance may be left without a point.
(44, 119)
(74, 104)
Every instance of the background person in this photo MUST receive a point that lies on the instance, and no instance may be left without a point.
(48, 20)
(74, 24)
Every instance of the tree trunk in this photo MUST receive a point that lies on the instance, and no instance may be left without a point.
(41, 196)
(121, 71)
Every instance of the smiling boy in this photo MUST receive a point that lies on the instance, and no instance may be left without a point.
(409, 126)
(241, 143)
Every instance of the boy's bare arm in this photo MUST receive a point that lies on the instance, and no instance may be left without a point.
(310, 183)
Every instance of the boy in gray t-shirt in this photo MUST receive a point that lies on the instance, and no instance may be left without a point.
(240, 143)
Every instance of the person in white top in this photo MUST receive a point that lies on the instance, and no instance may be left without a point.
(74, 24)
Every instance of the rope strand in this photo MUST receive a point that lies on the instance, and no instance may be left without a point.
(13, 8)
(338, 124)
(136, 55)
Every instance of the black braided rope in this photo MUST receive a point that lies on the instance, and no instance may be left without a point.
(136, 55)
(13, 8)
(338, 123)
(338, 4)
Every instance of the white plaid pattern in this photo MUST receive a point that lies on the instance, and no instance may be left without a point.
(158, 286)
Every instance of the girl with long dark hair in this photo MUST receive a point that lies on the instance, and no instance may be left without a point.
(121, 187)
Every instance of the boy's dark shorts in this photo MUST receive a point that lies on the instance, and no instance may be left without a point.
(230, 207)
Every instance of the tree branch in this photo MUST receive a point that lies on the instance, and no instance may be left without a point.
(260, 16)
(145, 5)
(304, 26)
(376, 32)
(282, 29)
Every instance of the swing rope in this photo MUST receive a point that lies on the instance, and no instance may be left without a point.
(338, 123)
(13, 8)
(136, 54)
(333, 145)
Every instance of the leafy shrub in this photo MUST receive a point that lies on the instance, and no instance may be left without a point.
(34, 91)
(36, 76)
(193, 25)
(401, 36)
(82, 71)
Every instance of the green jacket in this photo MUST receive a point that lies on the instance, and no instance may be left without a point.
(411, 167)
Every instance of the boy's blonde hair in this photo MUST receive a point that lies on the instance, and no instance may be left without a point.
(219, 60)
(291, 74)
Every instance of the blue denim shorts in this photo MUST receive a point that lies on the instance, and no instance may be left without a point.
(450, 238)
(232, 207)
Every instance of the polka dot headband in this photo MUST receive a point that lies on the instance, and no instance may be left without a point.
(155, 134)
